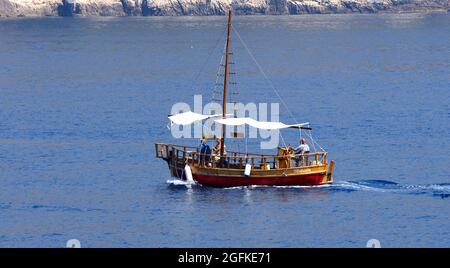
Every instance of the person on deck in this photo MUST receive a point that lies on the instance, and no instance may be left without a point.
(204, 149)
(216, 149)
(303, 148)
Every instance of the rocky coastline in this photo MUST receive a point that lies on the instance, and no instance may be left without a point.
(33, 8)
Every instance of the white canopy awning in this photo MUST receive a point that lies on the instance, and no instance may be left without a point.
(188, 118)
(257, 124)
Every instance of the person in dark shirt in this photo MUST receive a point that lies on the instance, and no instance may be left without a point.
(204, 150)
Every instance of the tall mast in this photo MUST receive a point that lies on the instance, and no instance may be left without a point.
(225, 84)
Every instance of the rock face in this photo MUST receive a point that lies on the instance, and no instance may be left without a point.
(14, 8)
(90, 8)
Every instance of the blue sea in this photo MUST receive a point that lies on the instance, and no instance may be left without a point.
(83, 100)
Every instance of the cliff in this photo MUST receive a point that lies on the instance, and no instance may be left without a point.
(13, 8)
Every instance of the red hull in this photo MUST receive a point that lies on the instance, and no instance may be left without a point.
(229, 181)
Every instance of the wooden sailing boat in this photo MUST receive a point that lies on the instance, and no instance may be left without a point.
(241, 168)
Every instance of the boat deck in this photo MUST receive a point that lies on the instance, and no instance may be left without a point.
(237, 160)
(281, 169)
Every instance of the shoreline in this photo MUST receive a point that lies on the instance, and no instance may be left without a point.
(431, 11)
(145, 8)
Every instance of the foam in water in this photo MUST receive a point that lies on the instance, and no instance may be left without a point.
(393, 187)
(177, 182)
(381, 186)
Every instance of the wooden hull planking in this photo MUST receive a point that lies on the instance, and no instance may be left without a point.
(217, 177)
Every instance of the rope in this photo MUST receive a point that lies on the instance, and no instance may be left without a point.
(314, 141)
(195, 79)
(267, 78)
(275, 90)
(264, 74)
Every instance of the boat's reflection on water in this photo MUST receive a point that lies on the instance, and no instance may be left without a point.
(250, 194)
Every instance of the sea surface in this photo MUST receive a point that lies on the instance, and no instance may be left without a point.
(83, 100)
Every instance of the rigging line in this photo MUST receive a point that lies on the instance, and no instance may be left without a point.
(271, 84)
(264, 74)
(314, 141)
(207, 60)
(215, 91)
(282, 139)
(267, 78)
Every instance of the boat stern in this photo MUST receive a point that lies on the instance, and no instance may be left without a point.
(328, 178)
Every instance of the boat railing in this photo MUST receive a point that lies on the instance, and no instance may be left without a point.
(236, 160)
